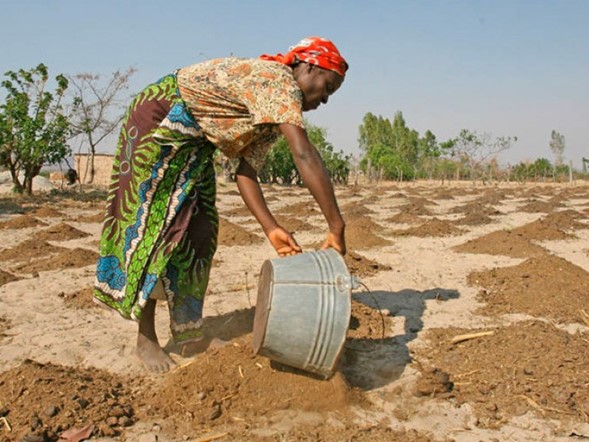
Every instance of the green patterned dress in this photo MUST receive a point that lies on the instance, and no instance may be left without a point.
(161, 220)
(161, 223)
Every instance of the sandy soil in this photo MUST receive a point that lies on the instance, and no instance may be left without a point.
(471, 324)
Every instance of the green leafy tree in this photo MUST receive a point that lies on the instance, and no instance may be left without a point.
(405, 140)
(542, 168)
(279, 166)
(33, 127)
(374, 131)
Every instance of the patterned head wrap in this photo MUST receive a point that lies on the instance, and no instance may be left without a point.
(313, 50)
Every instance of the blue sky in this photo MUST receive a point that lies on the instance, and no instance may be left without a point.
(507, 68)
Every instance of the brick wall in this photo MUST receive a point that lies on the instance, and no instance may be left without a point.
(102, 168)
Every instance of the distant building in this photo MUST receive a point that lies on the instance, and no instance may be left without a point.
(102, 168)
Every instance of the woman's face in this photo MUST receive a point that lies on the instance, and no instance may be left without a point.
(317, 84)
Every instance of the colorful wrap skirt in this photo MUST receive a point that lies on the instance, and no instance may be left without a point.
(161, 222)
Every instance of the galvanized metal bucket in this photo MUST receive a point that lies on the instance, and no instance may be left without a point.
(303, 310)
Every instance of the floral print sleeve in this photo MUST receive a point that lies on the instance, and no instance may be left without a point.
(239, 103)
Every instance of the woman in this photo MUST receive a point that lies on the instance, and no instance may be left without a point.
(161, 223)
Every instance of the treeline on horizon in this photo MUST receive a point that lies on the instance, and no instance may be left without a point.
(39, 123)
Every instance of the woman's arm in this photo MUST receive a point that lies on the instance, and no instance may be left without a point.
(249, 188)
(310, 166)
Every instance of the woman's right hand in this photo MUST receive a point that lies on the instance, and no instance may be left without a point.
(283, 242)
(335, 241)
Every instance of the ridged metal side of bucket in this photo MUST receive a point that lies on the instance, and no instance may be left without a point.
(303, 310)
(326, 306)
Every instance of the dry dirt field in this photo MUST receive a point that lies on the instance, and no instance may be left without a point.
(472, 324)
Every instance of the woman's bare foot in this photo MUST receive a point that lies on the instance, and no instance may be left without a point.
(148, 347)
(152, 355)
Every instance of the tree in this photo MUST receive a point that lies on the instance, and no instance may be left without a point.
(405, 140)
(474, 149)
(374, 131)
(99, 110)
(33, 127)
(279, 166)
(557, 145)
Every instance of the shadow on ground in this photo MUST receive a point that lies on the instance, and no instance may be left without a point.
(372, 363)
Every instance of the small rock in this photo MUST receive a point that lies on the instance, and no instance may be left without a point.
(124, 421)
(33, 437)
(3, 411)
(50, 410)
(112, 421)
(201, 395)
(216, 413)
(35, 422)
(83, 403)
(117, 411)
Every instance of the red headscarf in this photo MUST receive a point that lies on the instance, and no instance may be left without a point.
(314, 50)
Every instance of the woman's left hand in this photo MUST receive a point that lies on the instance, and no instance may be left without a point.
(284, 242)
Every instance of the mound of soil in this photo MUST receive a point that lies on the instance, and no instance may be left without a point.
(60, 232)
(433, 227)
(80, 299)
(293, 224)
(42, 400)
(21, 222)
(476, 207)
(421, 201)
(490, 198)
(551, 227)
(241, 210)
(538, 206)
(361, 266)
(405, 218)
(6, 277)
(47, 212)
(4, 325)
(355, 210)
(30, 249)
(543, 286)
(418, 210)
(368, 323)
(399, 195)
(360, 236)
(230, 384)
(98, 217)
(526, 367)
(70, 258)
(443, 194)
(541, 231)
(303, 209)
(233, 235)
(474, 219)
(501, 242)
